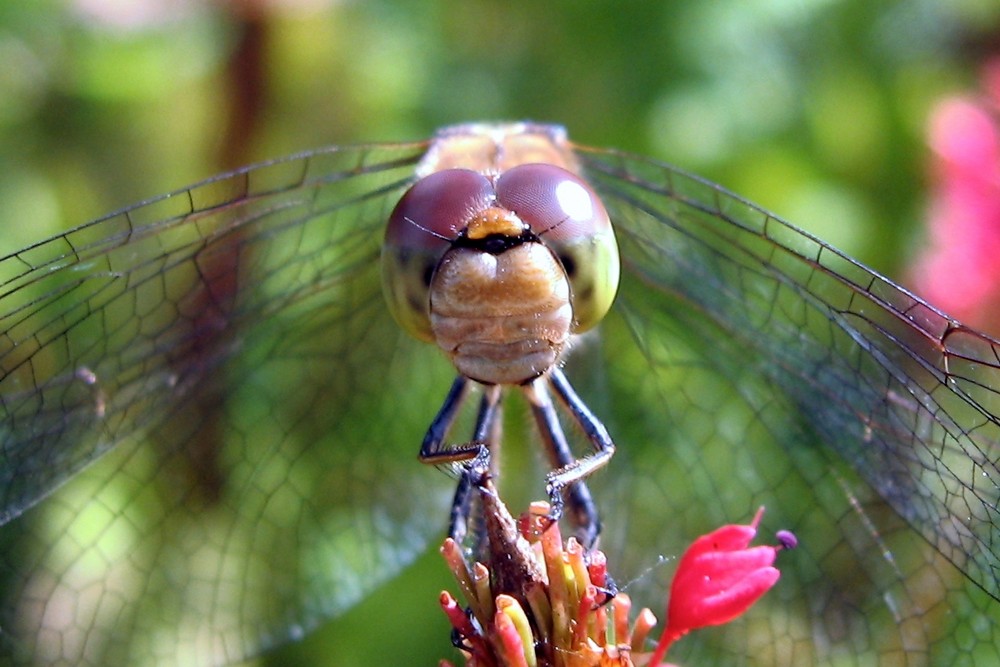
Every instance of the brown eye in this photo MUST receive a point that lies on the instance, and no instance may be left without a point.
(437, 208)
(557, 204)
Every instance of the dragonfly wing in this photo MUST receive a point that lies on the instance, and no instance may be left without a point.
(748, 363)
(209, 422)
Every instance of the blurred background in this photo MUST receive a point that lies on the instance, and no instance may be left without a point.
(821, 111)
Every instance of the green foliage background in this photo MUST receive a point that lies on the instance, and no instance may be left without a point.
(814, 109)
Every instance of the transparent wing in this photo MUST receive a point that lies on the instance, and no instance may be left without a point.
(204, 384)
(216, 372)
(746, 363)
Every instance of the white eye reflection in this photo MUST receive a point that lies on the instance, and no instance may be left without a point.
(574, 200)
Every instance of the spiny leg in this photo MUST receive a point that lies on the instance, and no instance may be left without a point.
(432, 450)
(569, 471)
(482, 466)
(474, 457)
(596, 432)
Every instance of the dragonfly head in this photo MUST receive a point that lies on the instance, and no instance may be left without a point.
(500, 270)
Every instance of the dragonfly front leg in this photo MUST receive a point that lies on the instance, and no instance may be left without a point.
(569, 473)
(476, 459)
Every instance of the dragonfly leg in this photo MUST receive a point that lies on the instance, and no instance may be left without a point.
(604, 447)
(474, 457)
(481, 467)
(432, 450)
(569, 472)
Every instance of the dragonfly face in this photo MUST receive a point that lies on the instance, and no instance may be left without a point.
(207, 417)
(491, 285)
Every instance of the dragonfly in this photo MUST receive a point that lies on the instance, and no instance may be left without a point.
(209, 417)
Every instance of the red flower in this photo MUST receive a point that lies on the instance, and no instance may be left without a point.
(555, 611)
(718, 578)
(959, 270)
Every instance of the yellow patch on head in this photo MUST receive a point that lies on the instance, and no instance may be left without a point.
(494, 220)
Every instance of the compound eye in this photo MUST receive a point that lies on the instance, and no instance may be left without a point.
(557, 204)
(568, 217)
(437, 208)
(431, 214)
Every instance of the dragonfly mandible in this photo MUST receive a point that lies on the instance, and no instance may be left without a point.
(208, 417)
